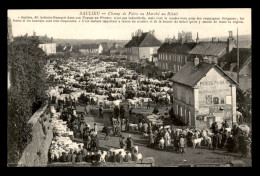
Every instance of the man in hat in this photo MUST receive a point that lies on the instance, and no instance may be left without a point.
(69, 157)
(182, 143)
(100, 112)
(148, 104)
(129, 143)
(225, 125)
(130, 113)
(161, 143)
(120, 157)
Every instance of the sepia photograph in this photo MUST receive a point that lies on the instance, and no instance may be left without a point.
(129, 87)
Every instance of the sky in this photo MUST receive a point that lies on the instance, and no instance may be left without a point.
(123, 31)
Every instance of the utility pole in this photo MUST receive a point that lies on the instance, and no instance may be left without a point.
(237, 59)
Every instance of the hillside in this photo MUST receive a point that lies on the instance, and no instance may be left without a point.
(89, 41)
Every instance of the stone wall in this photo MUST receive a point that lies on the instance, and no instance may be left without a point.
(36, 152)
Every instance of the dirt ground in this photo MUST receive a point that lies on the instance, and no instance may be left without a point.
(168, 157)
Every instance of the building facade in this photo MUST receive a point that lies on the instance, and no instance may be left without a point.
(142, 46)
(174, 54)
(91, 49)
(204, 94)
(46, 44)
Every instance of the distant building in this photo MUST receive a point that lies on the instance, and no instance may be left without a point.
(10, 37)
(213, 50)
(142, 46)
(229, 65)
(203, 93)
(91, 49)
(105, 46)
(114, 49)
(174, 54)
(46, 44)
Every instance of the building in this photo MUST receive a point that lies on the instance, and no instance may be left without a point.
(46, 44)
(10, 37)
(229, 65)
(105, 46)
(174, 54)
(91, 49)
(142, 46)
(203, 93)
(114, 48)
(213, 50)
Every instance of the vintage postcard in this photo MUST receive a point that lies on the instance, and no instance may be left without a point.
(129, 87)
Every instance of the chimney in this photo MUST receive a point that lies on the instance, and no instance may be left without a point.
(34, 33)
(206, 60)
(153, 32)
(51, 40)
(188, 37)
(214, 39)
(214, 60)
(197, 39)
(230, 42)
(196, 61)
(26, 35)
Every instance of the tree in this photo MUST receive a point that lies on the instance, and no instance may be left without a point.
(27, 92)
(244, 104)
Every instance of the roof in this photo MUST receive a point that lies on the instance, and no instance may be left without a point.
(145, 40)
(190, 76)
(209, 48)
(177, 47)
(244, 54)
(104, 46)
(44, 39)
(89, 46)
(248, 61)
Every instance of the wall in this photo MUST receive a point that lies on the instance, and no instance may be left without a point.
(147, 52)
(184, 98)
(172, 61)
(36, 152)
(48, 48)
(214, 99)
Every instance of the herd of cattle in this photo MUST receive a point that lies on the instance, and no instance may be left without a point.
(107, 80)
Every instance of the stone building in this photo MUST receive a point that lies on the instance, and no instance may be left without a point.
(203, 93)
(142, 46)
(174, 54)
(46, 44)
